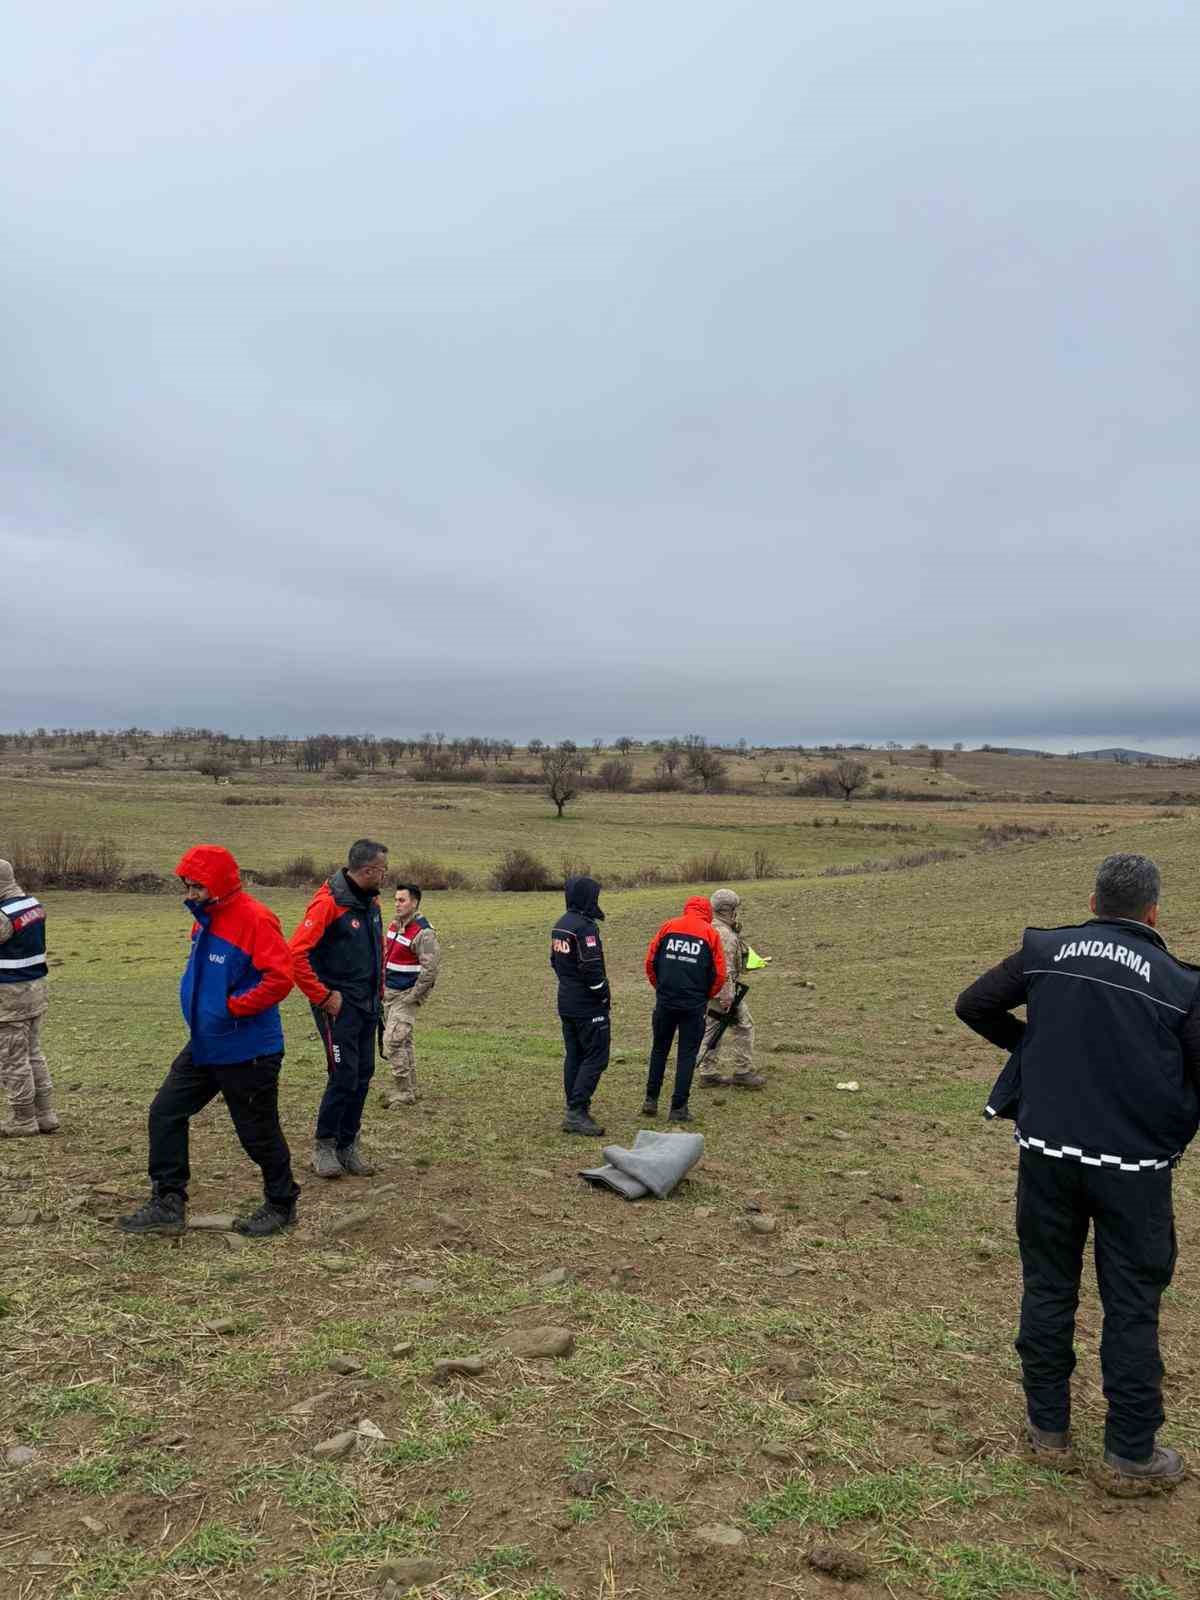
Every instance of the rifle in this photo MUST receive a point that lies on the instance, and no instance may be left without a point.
(740, 991)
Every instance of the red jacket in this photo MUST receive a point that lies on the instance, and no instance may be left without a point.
(339, 945)
(684, 960)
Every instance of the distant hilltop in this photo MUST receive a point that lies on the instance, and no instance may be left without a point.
(1112, 753)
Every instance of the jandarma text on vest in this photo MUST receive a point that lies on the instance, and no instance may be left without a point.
(1108, 952)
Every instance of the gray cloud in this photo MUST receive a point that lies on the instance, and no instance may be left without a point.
(571, 368)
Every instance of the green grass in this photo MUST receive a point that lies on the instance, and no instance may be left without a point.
(501, 1559)
(215, 1547)
(977, 1572)
(875, 1497)
(320, 1490)
(112, 1572)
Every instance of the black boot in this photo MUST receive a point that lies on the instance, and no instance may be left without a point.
(680, 1114)
(268, 1219)
(582, 1122)
(162, 1213)
(649, 1107)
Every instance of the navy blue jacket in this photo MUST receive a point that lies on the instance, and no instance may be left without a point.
(1106, 1069)
(577, 953)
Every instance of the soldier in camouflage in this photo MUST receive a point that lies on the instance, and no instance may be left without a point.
(738, 1038)
(24, 1075)
(410, 967)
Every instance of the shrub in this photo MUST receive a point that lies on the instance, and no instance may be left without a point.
(430, 874)
(1001, 833)
(714, 867)
(298, 873)
(662, 783)
(66, 861)
(346, 771)
(519, 872)
(614, 775)
(763, 867)
(251, 800)
(74, 763)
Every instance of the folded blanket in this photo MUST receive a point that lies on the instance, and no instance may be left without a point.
(655, 1165)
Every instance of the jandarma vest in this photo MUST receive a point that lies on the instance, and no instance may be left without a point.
(401, 967)
(23, 957)
(1099, 1076)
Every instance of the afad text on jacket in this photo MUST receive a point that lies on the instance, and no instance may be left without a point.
(238, 968)
(685, 962)
(1099, 1076)
(577, 953)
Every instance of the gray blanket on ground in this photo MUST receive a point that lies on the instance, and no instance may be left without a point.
(657, 1162)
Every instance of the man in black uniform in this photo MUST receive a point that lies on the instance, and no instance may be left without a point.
(1103, 1084)
(584, 1001)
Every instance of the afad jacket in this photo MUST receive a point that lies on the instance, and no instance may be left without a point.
(339, 945)
(577, 953)
(239, 967)
(684, 961)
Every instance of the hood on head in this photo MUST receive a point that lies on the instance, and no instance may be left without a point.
(698, 906)
(725, 903)
(8, 881)
(583, 896)
(213, 866)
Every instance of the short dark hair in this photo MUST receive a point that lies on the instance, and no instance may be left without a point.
(363, 851)
(414, 889)
(1127, 886)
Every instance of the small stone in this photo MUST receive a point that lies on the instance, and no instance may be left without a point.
(719, 1536)
(937, 1028)
(702, 1213)
(399, 1351)
(370, 1430)
(851, 1087)
(214, 1222)
(94, 1526)
(305, 1408)
(839, 1133)
(77, 1202)
(334, 1448)
(555, 1278)
(848, 1565)
(763, 1224)
(344, 1366)
(585, 1483)
(41, 1558)
(421, 1285)
(409, 1573)
(19, 1455)
(537, 1344)
(538, 1172)
(798, 1394)
(220, 1325)
(353, 1217)
(233, 1242)
(778, 1452)
(459, 1367)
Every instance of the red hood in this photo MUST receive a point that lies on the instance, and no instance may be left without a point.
(698, 907)
(213, 866)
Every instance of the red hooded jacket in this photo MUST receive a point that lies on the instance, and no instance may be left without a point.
(239, 966)
(684, 961)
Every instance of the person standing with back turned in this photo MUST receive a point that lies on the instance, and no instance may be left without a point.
(685, 966)
(1103, 1085)
(338, 956)
(23, 1006)
(584, 1002)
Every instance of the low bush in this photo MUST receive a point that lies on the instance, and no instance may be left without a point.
(519, 872)
(715, 867)
(428, 874)
(251, 800)
(66, 861)
(993, 835)
(74, 763)
(915, 858)
(300, 872)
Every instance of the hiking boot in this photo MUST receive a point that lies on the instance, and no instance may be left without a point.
(582, 1122)
(47, 1117)
(162, 1213)
(1048, 1448)
(268, 1219)
(748, 1080)
(352, 1162)
(649, 1107)
(712, 1080)
(325, 1161)
(399, 1097)
(19, 1128)
(680, 1114)
(1161, 1470)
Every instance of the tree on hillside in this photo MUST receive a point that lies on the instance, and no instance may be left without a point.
(849, 775)
(559, 775)
(705, 766)
(213, 767)
(937, 760)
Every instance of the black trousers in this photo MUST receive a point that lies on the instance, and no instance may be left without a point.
(1134, 1244)
(664, 1025)
(349, 1040)
(251, 1091)
(586, 1042)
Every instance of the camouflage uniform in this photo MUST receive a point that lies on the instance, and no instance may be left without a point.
(24, 1075)
(399, 1016)
(738, 1038)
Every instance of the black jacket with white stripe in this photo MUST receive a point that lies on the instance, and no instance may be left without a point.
(1107, 1069)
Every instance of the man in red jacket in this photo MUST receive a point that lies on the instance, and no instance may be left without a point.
(685, 965)
(238, 970)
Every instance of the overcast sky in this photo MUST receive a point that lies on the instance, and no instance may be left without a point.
(587, 367)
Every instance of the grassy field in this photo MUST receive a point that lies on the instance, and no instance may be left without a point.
(846, 1380)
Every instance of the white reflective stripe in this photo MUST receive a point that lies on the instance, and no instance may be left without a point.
(1048, 972)
(1113, 1163)
(19, 905)
(402, 966)
(24, 961)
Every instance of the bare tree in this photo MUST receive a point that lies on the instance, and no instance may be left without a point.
(558, 771)
(849, 775)
(705, 766)
(937, 760)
